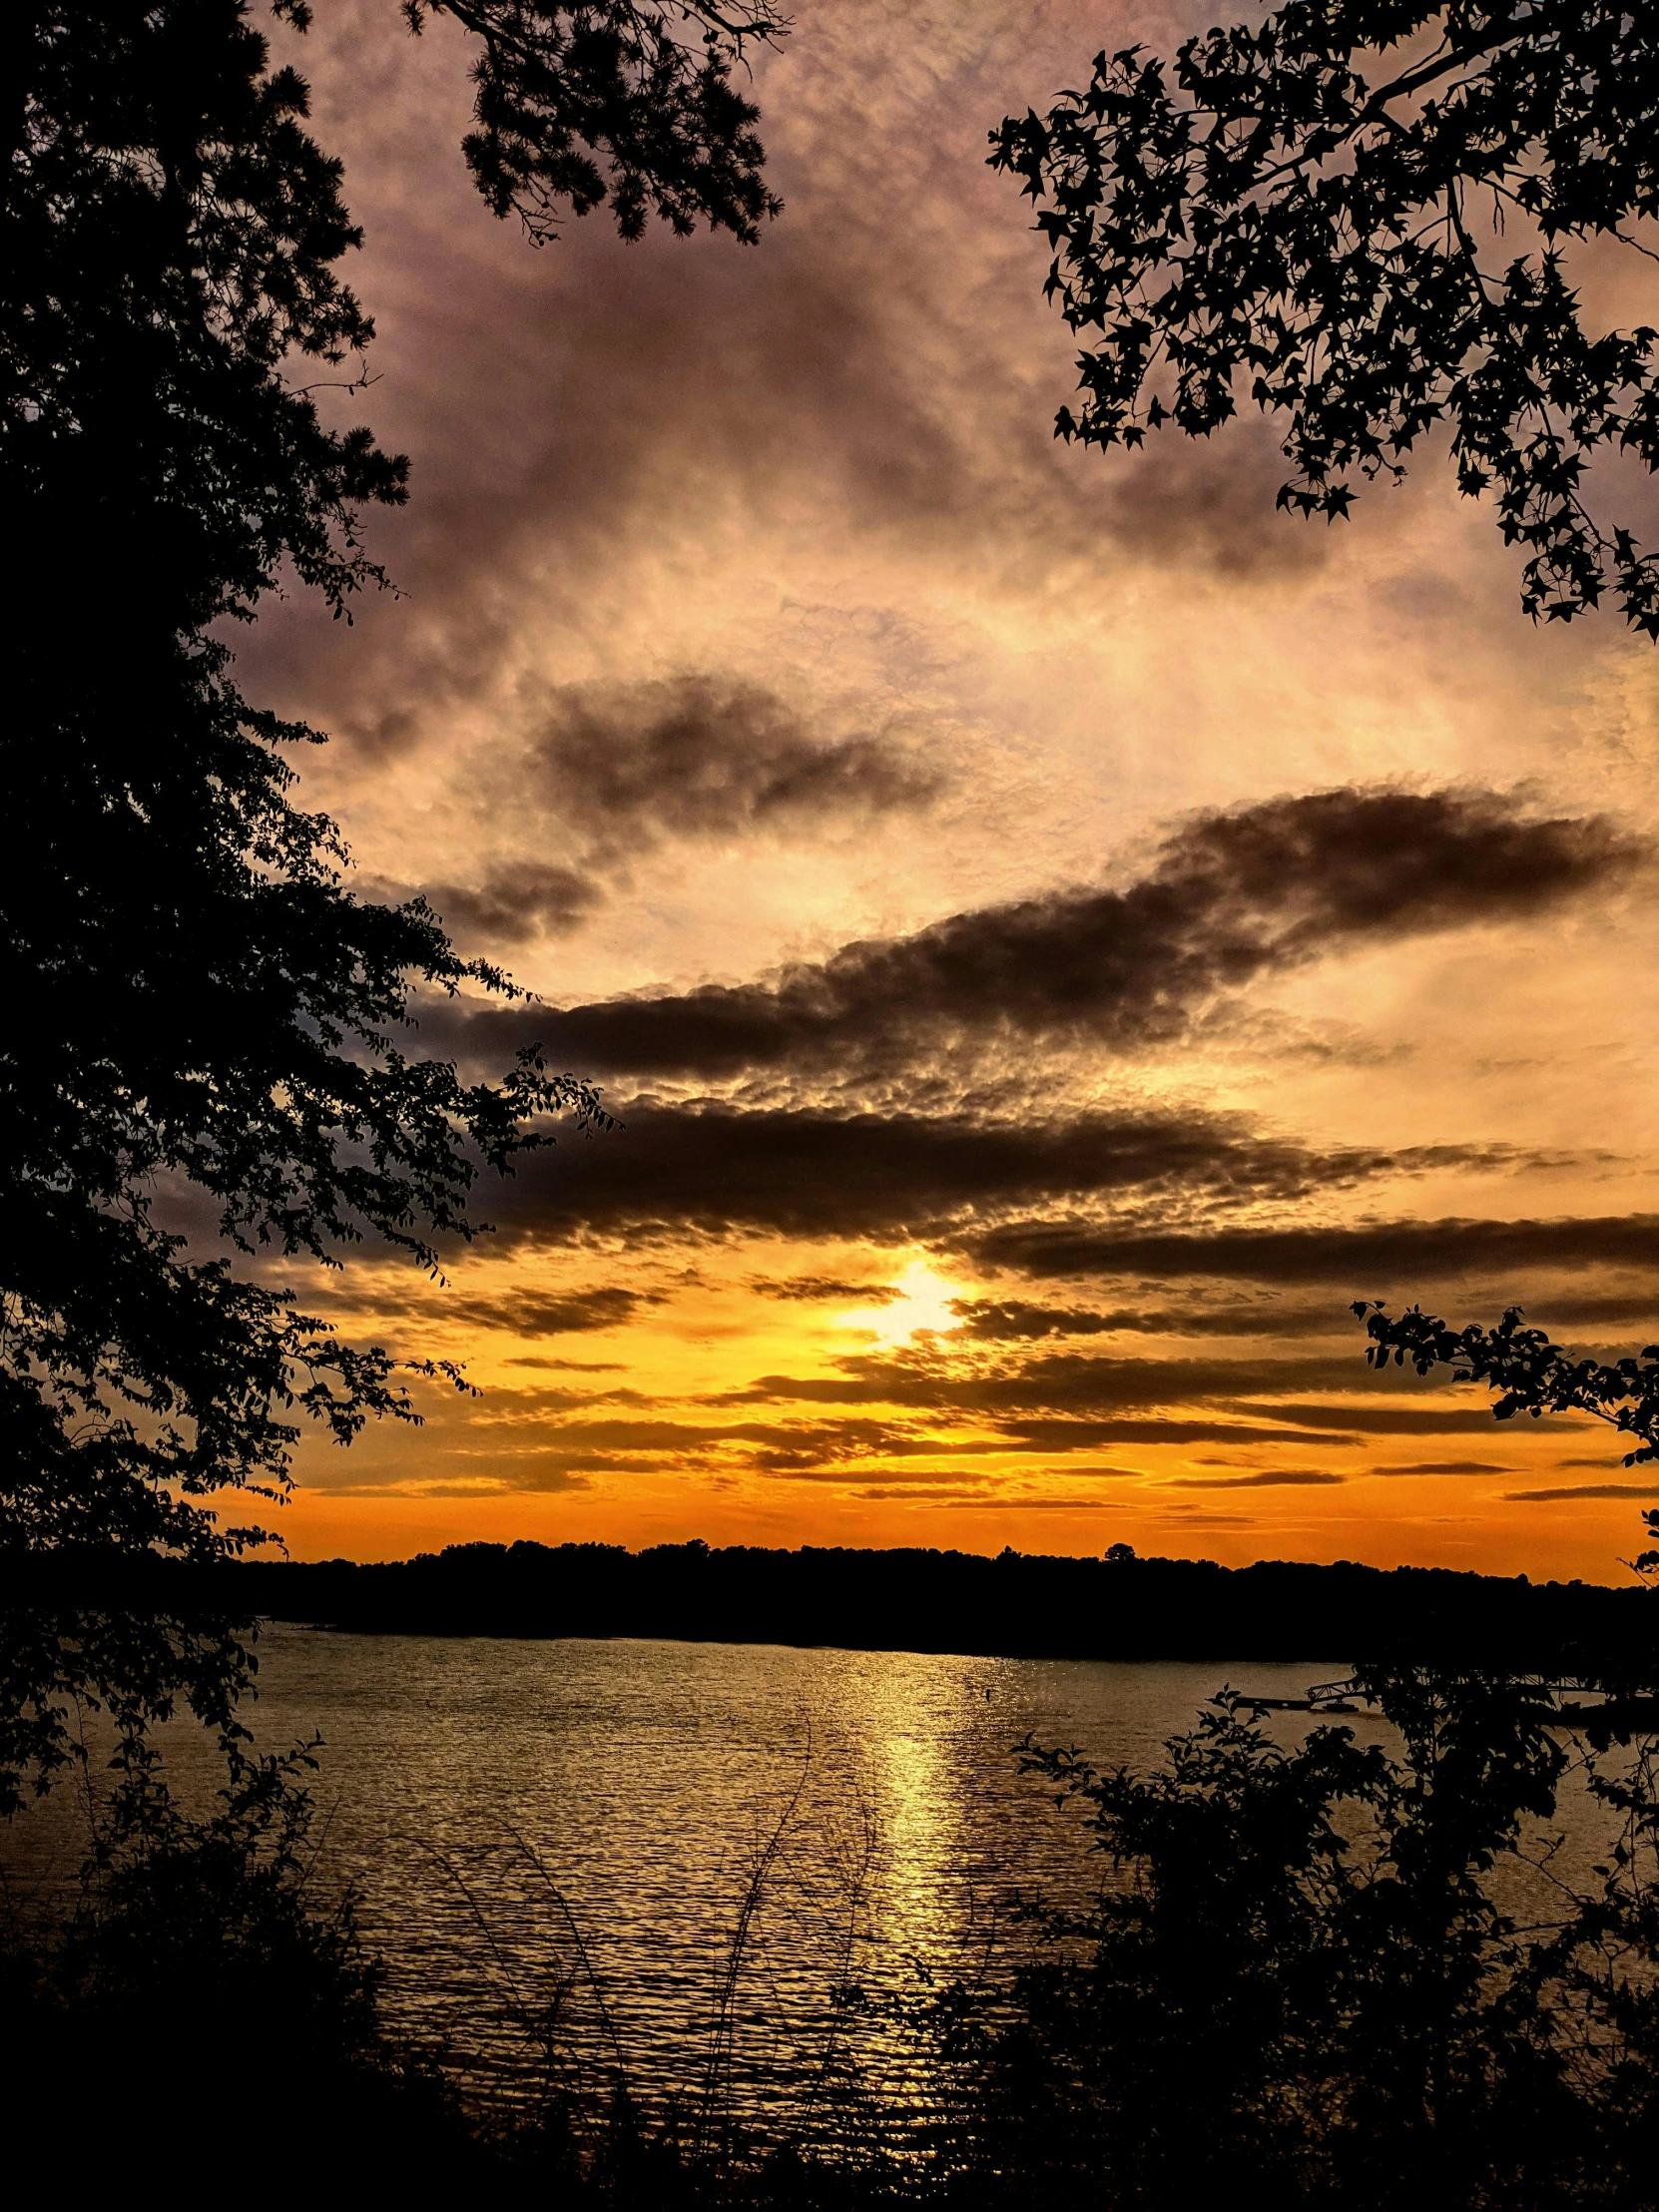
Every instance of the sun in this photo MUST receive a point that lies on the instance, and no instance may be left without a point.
(923, 1300)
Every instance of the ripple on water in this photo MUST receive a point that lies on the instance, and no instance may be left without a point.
(576, 1826)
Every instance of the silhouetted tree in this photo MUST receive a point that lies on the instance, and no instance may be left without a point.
(198, 1009)
(1356, 212)
(208, 1931)
(1531, 1376)
(1337, 1975)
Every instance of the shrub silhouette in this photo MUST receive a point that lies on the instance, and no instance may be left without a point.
(1300, 1976)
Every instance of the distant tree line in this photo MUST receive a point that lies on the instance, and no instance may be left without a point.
(1017, 1604)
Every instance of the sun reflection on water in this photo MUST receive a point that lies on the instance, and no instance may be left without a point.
(919, 1820)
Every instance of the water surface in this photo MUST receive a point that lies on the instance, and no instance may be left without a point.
(579, 1825)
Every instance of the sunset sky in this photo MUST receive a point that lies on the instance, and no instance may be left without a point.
(1055, 929)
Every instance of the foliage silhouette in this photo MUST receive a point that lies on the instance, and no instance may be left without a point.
(1301, 1969)
(1318, 206)
(186, 1929)
(616, 102)
(202, 1013)
(1531, 1376)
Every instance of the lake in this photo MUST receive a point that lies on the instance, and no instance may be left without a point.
(592, 1826)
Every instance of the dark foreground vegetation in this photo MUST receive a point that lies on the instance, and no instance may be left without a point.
(1017, 1605)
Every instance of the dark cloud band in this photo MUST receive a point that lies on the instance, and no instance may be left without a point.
(1375, 1260)
(1232, 898)
(712, 1167)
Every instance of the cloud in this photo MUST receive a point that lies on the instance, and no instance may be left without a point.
(1447, 1466)
(1232, 896)
(711, 1166)
(519, 1471)
(1560, 1312)
(1372, 1258)
(569, 1367)
(1018, 1505)
(812, 1289)
(1084, 1436)
(1274, 1478)
(526, 1312)
(1072, 1403)
(629, 766)
(808, 1448)
(607, 772)
(517, 901)
(1012, 1319)
(885, 361)
(621, 1430)
(1582, 1489)
(1386, 1420)
(902, 1481)
(1059, 1381)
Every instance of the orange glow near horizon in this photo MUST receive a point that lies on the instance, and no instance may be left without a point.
(739, 1416)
